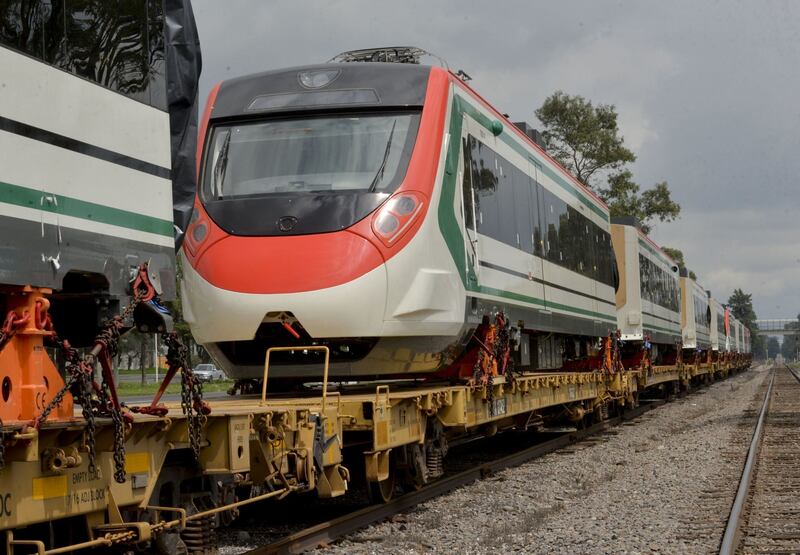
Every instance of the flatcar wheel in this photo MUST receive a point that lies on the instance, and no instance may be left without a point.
(382, 491)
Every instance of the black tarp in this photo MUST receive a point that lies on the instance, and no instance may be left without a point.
(184, 63)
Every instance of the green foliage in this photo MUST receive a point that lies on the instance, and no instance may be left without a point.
(741, 306)
(583, 137)
(623, 199)
(790, 348)
(677, 256)
(587, 141)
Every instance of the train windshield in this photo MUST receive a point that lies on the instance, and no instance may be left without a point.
(345, 153)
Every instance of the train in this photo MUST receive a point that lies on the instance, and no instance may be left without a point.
(389, 212)
(403, 225)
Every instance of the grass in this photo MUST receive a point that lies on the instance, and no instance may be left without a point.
(137, 372)
(128, 389)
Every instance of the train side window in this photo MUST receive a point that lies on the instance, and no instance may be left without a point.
(537, 194)
(466, 184)
(505, 203)
(118, 45)
(485, 182)
(556, 220)
(522, 208)
(22, 27)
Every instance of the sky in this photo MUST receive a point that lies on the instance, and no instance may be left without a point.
(707, 95)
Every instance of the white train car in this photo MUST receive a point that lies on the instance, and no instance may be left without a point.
(695, 318)
(736, 326)
(648, 296)
(719, 335)
(85, 185)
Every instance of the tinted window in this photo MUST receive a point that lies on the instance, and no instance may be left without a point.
(505, 203)
(511, 206)
(523, 205)
(555, 213)
(485, 180)
(466, 186)
(117, 44)
(347, 152)
(701, 314)
(658, 286)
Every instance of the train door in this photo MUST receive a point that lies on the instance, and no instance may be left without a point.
(469, 212)
(538, 226)
(480, 188)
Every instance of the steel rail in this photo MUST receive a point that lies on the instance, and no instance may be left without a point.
(327, 532)
(792, 372)
(730, 539)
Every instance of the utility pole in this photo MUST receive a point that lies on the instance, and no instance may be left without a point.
(155, 352)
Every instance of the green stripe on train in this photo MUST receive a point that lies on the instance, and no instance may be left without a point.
(448, 224)
(543, 303)
(68, 206)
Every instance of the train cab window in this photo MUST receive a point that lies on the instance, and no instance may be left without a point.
(366, 153)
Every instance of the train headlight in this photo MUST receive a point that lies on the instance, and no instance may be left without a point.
(396, 216)
(199, 232)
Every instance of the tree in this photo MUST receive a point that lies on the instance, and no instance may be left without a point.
(583, 137)
(623, 199)
(587, 141)
(773, 346)
(790, 348)
(741, 306)
(677, 256)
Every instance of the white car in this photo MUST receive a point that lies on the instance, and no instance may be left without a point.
(208, 373)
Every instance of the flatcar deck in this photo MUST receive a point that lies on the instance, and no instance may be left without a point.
(285, 443)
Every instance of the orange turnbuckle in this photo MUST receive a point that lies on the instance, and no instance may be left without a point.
(28, 378)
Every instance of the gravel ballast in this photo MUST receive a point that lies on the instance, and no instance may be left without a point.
(651, 486)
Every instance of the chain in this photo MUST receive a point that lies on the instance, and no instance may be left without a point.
(79, 377)
(192, 402)
(119, 432)
(7, 331)
(100, 400)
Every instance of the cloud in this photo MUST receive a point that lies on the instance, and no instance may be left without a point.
(752, 249)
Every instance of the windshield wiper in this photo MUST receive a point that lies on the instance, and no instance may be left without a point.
(221, 165)
(382, 167)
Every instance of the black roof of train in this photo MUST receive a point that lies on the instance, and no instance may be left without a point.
(355, 85)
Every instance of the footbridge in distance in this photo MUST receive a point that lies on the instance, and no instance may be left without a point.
(789, 326)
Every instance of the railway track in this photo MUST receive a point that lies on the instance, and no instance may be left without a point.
(765, 516)
(327, 532)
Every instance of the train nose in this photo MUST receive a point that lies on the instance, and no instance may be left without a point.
(335, 284)
(288, 264)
